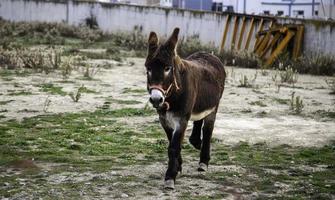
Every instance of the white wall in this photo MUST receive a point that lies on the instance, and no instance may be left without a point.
(208, 26)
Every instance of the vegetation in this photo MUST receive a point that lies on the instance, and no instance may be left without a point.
(296, 104)
(16, 34)
(121, 152)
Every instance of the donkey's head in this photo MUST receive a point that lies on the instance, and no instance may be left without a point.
(161, 67)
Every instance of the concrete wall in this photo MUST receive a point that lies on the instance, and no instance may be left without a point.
(208, 26)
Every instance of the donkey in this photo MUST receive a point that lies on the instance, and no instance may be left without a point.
(183, 90)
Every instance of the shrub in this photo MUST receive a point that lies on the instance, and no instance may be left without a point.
(310, 63)
(191, 45)
(241, 59)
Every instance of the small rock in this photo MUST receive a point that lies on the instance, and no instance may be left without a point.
(124, 195)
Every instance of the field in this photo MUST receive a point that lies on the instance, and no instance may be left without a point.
(87, 131)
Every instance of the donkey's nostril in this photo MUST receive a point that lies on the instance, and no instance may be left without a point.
(156, 98)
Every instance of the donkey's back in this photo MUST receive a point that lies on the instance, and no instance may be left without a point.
(210, 79)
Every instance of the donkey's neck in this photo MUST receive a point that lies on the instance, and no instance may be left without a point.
(178, 62)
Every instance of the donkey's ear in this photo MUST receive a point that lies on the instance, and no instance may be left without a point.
(172, 41)
(152, 42)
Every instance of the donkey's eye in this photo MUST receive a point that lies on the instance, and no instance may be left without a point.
(167, 68)
(149, 72)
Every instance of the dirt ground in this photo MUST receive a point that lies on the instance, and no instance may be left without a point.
(254, 115)
(257, 115)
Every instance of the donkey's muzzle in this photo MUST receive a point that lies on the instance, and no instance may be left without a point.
(156, 98)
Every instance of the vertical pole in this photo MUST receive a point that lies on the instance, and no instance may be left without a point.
(234, 33)
(290, 8)
(241, 34)
(251, 29)
(224, 34)
(313, 9)
(244, 6)
(67, 12)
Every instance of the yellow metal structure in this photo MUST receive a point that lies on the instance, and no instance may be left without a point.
(225, 34)
(268, 43)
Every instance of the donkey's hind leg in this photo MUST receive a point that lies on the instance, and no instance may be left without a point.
(207, 131)
(195, 138)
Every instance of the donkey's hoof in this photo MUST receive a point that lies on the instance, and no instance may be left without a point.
(202, 167)
(169, 184)
(196, 143)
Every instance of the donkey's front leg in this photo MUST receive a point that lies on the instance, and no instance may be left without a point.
(174, 152)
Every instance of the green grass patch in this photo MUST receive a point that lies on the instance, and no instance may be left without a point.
(266, 168)
(258, 103)
(282, 101)
(19, 93)
(121, 101)
(84, 89)
(67, 137)
(5, 102)
(136, 91)
(52, 89)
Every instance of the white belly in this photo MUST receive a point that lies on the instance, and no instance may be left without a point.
(203, 114)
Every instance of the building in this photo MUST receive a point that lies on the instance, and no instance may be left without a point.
(290, 8)
(139, 2)
(193, 4)
(166, 3)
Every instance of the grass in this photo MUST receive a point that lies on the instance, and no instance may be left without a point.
(64, 137)
(97, 142)
(19, 93)
(84, 89)
(52, 89)
(131, 90)
(5, 102)
(121, 101)
(282, 101)
(258, 103)
(266, 168)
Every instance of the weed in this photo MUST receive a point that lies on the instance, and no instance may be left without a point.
(264, 72)
(288, 75)
(90, 72)
(69, 63)
(245, 81)
(75, 96)
(296, 104)
(331, 85)
(55, 59)
(46, 104)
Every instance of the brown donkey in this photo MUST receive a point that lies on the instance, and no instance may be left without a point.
(183, 90)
